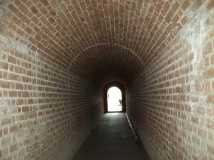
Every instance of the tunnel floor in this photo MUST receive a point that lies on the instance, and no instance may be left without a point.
(111, 140)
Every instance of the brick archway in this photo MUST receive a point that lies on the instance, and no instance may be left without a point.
(121, 86)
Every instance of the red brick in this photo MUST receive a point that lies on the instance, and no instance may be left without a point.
(3, 66)
(58, 55)
(210, 73)
(12, 60)
(210, 4)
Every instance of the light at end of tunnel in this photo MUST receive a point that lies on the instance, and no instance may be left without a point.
(114, 99)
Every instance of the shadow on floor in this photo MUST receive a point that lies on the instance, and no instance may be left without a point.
(111, 140)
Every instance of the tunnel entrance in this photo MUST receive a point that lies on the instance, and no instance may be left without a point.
(114, 97)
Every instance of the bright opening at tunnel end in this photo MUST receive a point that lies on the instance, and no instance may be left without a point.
(114, 99)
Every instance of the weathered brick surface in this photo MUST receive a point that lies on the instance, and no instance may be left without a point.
(44, 112)
(172, 100)
(50, 51)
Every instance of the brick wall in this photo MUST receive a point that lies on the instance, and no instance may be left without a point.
(171, 102)
(51, 50)
(44, 109)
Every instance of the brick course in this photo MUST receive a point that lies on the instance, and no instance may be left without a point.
(171, 101)
(56, 55)
(42, 107)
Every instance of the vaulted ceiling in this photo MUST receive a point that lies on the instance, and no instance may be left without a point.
(96, 37)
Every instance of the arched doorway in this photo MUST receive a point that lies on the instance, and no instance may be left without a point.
(114, 97)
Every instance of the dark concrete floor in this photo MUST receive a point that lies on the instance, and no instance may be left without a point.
(111, 140)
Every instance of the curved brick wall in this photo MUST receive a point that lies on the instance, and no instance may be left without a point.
(55, 56)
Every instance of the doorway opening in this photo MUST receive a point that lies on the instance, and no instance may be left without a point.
(114, 97)
(114, 100)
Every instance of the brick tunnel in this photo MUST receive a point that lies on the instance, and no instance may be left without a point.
(58, 57)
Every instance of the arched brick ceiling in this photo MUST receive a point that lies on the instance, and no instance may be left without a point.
(64, 30)
(103, 61)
